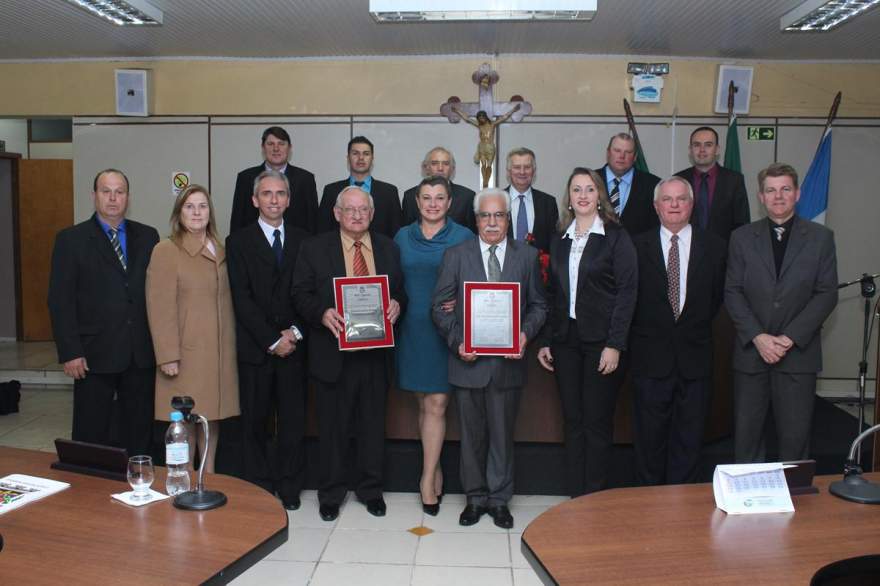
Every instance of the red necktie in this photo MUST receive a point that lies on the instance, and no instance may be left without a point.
(359, 264)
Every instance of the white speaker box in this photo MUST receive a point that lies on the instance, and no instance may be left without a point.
(742, 81)
(132, 92)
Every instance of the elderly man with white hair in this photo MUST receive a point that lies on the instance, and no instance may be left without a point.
(487, 388)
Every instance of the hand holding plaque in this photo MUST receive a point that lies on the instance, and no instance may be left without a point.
(363, 303)
(491, 319)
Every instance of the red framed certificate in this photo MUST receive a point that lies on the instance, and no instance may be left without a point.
(491, 318)
(363, 303)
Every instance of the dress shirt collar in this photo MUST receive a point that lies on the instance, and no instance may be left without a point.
(269, 230)
(598, 227)
(281, 170)
(367, 184)
(625, 178)
(499, 252)
(684, 236)
(514, 195)
(348, 241)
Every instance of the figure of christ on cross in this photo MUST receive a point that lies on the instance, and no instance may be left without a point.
(485, 155)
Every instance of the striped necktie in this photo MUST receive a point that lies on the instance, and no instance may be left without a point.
(359, 263)
(494, 264)
(117, 247)
(673, 273)
(614, 196)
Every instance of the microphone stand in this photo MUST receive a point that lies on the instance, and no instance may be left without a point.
(868, 289)
(854, 487)
(198, 499)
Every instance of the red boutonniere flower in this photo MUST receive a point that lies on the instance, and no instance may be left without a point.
(530, 239)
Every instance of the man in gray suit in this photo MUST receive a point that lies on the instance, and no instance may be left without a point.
(488, 387)
(781, 286)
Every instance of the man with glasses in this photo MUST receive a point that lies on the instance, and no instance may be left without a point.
(350, 386)
(487, 388)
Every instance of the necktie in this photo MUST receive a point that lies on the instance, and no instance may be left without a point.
(673, 275)
(702, 211)
(779, 232)
(117, 247)
(358, 183)
(359, 263)
(276, 246)
(614, 196)
(494, 265)
(522, 219)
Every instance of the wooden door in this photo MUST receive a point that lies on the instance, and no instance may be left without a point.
(45, 206)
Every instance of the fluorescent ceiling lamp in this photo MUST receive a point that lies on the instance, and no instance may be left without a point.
(123, 12)
(823, 15)
(452, 10)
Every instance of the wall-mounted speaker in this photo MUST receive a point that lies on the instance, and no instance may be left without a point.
(742, 82)
(133, 92)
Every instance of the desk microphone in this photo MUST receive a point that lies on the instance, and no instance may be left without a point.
(855, 487)
(198, 499)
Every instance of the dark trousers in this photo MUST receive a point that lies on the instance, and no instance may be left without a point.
(274, 388)
(791, 395)
(94, 407)
(669, 416)
(588, 401)
(353, 405)
(487, 416)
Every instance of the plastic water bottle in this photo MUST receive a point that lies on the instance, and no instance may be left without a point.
(176, 456)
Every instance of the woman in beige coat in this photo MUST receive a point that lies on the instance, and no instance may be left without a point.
(190, 312)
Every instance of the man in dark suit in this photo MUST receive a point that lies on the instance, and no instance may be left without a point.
(681, 287)
(721, 204)
(271, 379)
(630, 191)
(487, 388)
(387, 216)
(533, 214)
(303, 210)
(781, 286)
(99, 318)
(440, 162)
(350, 386)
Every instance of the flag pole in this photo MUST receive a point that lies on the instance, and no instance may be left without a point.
(731, 90)
(832, 114)
(632, 125)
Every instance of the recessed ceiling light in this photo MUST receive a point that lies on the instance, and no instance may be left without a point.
(123, 12)
(823, 15)
(456, 10)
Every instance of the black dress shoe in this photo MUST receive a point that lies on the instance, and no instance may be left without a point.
(471, 515)
(502, 517)
(329, 512)
(376, 507)
(291, 504)
(432, 510)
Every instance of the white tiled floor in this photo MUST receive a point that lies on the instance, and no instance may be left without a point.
(357, 548)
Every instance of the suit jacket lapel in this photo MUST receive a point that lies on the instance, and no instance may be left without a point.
(379, 256)
(796, 241)
(764, 248)
(694, 259)
(261, 246)
(595, 244)
(562, 255)
(132, 235)
(337, 259)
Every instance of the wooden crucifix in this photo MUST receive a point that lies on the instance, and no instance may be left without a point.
(485, 114)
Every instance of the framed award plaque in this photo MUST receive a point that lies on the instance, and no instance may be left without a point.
(491, 318)
(363, 302)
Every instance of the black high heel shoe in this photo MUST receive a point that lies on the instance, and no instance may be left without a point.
(432, 510)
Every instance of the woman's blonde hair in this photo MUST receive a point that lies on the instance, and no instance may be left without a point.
(177, 227)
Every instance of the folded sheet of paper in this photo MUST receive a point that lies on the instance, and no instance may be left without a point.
(128, 498)
(751, 488)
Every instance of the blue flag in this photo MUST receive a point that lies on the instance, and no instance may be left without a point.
(814, 190)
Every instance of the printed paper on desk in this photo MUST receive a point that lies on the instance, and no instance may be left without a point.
(742, 489)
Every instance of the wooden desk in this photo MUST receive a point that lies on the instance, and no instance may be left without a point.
(675, 535)
(82, 536)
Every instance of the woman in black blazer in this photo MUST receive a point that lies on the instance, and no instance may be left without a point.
(585, 336)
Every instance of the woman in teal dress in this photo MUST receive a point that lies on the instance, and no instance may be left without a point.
(421, 352)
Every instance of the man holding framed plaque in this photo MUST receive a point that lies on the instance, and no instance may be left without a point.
(499, 306)
(348, 286)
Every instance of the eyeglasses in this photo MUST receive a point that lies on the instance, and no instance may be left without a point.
(349, 212)
(497, 215)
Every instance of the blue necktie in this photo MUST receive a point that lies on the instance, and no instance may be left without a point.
(522, 220)
(276, 246)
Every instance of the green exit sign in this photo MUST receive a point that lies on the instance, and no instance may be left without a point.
(761, 133)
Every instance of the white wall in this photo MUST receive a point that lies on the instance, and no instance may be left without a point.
(14, 132)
